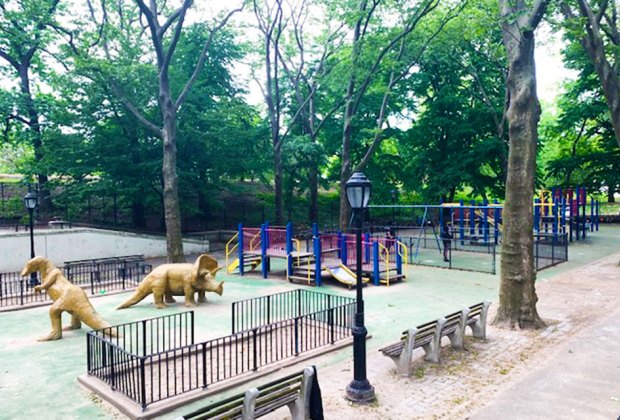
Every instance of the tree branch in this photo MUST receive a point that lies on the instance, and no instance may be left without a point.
(203, 56)
(134, 110)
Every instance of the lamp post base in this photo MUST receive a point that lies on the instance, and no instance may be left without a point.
(360, 392)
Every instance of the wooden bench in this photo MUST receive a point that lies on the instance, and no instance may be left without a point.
(293, 391)
(428, 336)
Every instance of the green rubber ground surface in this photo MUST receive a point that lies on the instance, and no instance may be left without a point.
(38, 379)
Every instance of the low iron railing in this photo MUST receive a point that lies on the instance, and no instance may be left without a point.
(146, 373)
(255, 312)
(94, 276)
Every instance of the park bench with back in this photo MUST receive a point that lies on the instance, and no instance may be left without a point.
(293, 391)
(429, 335)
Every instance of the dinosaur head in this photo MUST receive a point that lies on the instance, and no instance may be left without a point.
(34, 264)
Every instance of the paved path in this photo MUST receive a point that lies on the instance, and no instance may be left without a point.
(580, 381)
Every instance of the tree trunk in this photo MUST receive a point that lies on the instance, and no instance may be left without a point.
(517, 295)
(277, 166)
(610, 194)
(172, 212)
(345, 173)
(45, 200)
(138, 218)
(313, 211)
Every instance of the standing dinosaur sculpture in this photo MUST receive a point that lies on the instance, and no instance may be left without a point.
(181, 279)
(67, 297)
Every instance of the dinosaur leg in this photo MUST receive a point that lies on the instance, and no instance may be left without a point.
(189, 296)
(76, 324)
(202, 296)
(55, 317)
(158, 295)
(168, 298)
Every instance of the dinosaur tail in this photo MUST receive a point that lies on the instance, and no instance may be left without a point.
(96, 322)
(143, 290)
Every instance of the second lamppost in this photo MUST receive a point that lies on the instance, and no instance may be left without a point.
(30, 200)
(358, 189)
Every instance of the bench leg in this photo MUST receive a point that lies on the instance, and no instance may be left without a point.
(479, 328)
(249, 404)
(433, 349)
(300, 409)
(403, 363)
(457, 338)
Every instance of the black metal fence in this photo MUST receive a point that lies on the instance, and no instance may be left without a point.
(94, 276)
(256, 312)
(147, 363)
(550, 249)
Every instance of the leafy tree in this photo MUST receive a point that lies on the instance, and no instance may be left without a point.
(27, 28)
(517, 296)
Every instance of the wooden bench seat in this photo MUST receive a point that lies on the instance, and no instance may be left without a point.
(428, 336)
(293, 391)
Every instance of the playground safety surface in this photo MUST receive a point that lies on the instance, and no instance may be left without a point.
(572, 296)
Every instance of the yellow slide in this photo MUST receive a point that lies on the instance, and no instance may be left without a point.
(490, 220)
(344, 275)
(235, 265)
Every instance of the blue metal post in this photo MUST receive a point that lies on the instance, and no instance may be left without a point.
(578, 216)
(563, 214)
(461, 221)
(598, 203)
(472, 219)
(591, 215)
(317, 257)
(240, 246)
(375, 266)
(497, 217)
(263, 250)
(366, 244)
(584, 197)
(485, 224)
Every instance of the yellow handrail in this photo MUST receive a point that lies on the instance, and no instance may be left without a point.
(383, 249)
(253, 239)
(403, 252)
(228, 252)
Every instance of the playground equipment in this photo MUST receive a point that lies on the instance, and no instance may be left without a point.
(327, 254)
(565, 210)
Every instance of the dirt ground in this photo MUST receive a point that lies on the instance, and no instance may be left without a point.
(466, 381)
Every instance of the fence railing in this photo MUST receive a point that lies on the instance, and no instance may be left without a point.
(147, 373)
(550, 249)
(94, 276)
(263, 310)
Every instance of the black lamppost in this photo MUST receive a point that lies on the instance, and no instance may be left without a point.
(358, 190)
(30, 200)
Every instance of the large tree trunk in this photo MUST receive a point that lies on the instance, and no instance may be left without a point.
(313, 211)
(172, 212)
(345, 173)
(45, 200)
(277, 166)
(517, 296)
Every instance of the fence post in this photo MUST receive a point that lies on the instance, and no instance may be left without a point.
(112, 373)
(88, 353)
(124, 272)
(234, 310)
(142, 384)
(204, 365)
(254, 350)
(21, 292)
(191, 316)
(298, 302)
(330, 321)
(144, 337)
(1, 283)
(296, 336)
(92, 284)
(268, 309)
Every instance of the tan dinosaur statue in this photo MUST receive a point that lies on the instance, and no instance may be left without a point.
(169, 280)
(67, 297)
